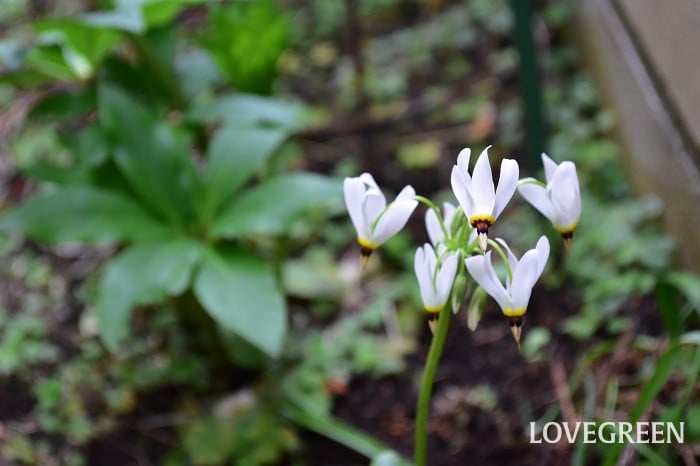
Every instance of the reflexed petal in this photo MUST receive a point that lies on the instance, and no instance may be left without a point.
(512, 260)
(482, 191)
(536, 195)
(463, 165)
(565, 193)
(432, 225)
(524, 278)
(354, 190)
(448, 213)
(393, 220)
(406, 194)
(549, 167)
(373, 205)
(481, 269)
(542, 254)
(445, 278)
(461, 193)
(424, 275)
(507, 182)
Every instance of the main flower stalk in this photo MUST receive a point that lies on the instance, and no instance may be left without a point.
(420, 449)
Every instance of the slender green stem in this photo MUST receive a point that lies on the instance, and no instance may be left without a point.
(420, 450)
(435, 209)
(338, 431)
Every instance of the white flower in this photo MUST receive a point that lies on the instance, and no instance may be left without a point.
(481, 202)
(560, 199)
(374, 221)
(434, 280)
(514, 297)
(435, 232)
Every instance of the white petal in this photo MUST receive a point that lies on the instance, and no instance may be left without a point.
(565, 194)
(542, 248)
(549, 167)
(512, 260)
(354, 190)
(448, 213)
(463, 165)
(373, 205)
(445, 278)
(460, 190)
(432, 225)
(481, 269)
(524, 278)
(424, 275)
(393, 220)
(482, 190)
(537, 197)
(507, 182)
(406, 194)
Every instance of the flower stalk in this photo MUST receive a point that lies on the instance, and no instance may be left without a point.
(420, 449)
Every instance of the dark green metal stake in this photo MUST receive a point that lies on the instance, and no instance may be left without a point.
(529, 83)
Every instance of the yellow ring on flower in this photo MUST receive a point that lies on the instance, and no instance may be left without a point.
(366, 244)
(568, 230)
(433, 310)
(489, 219)
(514, 312)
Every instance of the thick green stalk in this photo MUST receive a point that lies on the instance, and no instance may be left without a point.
(420, 449)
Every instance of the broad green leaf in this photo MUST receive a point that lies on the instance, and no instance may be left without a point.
(153, 156)
(247, 110)
(271, 207)
(234, 155)
(80, 213)
(688, 284)
(81, 46)
(138, 15)
(142, 274)
(240, 292)
(236, 28)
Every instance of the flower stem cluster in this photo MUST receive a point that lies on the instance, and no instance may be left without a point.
(459, 241)
(459, 247)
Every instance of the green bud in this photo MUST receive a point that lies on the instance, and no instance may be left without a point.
(476, 308)
(459, 290)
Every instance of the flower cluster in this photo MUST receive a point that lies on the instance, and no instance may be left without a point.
(459, 241)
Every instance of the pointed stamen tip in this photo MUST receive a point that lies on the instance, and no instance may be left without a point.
(365, 253)
(433, 321)
(483, 241)
(568, 240)
(516, 328)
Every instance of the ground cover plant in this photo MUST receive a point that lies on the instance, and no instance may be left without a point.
(118, 342)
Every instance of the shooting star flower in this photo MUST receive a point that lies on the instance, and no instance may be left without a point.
(434, 280)
(432, 224)
(559, 200)
(481, 202)
(515, 296)
(374, 221)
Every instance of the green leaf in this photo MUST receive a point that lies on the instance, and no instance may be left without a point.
(80, 213)
(152, 155)
(138, 15)
(70, 49)
(234, 155)
(144, 273)
(387, 458)
(240, 292)
(234, 29)
(662, 372)
(251, 110)
(271, 207)
(688, 284)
